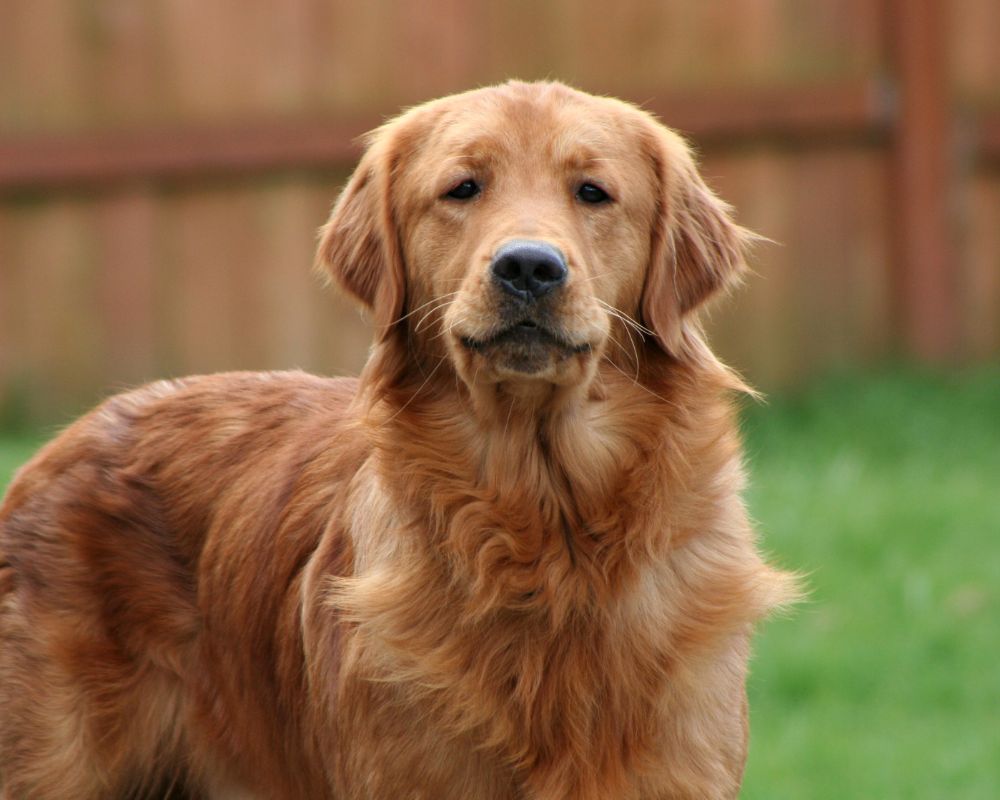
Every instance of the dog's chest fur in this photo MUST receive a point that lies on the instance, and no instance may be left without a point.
(535, 631)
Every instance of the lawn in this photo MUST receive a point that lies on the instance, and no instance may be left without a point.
(15, 449)
(886, 683)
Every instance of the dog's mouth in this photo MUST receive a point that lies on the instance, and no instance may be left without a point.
(526, 346)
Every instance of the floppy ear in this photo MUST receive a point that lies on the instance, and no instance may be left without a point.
(697, 250)
(359, 246)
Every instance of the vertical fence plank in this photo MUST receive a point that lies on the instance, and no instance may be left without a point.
(287, 313)
(975, 31)
(923, 181)
(125, 266)
(44, 66)
(866, 271)
(437, 43)
(122, 68)
(981, 273)
(341, 335)
(55, 339)
(752, 328)
(206, 284)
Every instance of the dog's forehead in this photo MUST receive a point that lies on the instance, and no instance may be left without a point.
(560, 124)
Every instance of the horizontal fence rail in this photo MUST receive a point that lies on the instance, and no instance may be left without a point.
(106, 158)
(853, 111)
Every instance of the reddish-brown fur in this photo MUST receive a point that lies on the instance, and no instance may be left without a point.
(452, 578)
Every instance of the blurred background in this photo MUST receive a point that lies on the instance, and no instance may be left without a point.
(164, 166)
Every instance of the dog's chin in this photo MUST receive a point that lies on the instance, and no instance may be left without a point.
(526, 352)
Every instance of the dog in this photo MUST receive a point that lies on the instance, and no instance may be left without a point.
(510, 560)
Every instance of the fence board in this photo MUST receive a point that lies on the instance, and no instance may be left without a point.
(55, 341)
(981, 276)
(753, 327)
(102, 159)
(924, 184)
(43, 79)
(123, 71)
(206, 280)
(126, 278)
(974, 32)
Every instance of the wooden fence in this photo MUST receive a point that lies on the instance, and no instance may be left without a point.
(164, 166)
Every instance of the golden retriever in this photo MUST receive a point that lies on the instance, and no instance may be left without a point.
(509, 561)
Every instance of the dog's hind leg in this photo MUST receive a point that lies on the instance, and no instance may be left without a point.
(78, 725)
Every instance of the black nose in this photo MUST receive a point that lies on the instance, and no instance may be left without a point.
(528, 269)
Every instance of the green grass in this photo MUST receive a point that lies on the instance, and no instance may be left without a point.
(15, 449)
(886, 683)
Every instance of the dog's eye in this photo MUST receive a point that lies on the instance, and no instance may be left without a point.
(464, 191)
(589, 193)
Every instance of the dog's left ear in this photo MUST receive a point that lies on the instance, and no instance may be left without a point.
(696, 250)
(359, 246)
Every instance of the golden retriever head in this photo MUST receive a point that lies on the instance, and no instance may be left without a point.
(524, 232)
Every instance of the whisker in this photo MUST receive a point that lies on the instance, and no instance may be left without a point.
(644, 388)
(617, 312)
(625, 318)
(449, 329)
(628, 356)
(510, 410)
(421, 306)
(416, 393)
(635, 352)
(595, 277)
(413, 356)
(631, 340)
(429, 314)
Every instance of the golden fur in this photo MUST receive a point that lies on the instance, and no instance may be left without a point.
(490, 568)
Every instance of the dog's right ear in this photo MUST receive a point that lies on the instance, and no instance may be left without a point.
(359, 246)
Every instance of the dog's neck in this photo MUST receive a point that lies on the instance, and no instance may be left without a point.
(503, 432)
(552, 499)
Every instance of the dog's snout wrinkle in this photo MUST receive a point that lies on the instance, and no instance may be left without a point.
(529, 269)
